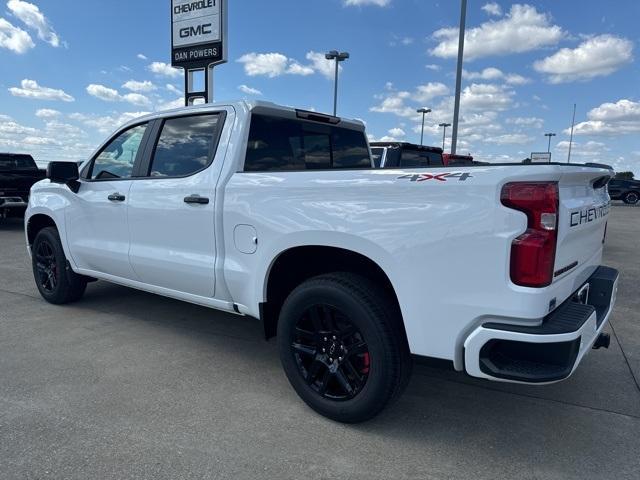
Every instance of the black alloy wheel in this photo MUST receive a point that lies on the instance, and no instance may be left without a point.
(46, 266)
(343, 347)
(631, 198)
(56, 281)
(331, 353)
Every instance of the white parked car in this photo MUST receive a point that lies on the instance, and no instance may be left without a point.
(277, 214)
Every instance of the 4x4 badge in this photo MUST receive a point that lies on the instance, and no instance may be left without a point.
(441, 177)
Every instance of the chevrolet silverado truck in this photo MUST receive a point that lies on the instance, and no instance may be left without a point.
(18, 173)
(278, 214)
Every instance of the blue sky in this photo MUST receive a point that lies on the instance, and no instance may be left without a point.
(73, 70)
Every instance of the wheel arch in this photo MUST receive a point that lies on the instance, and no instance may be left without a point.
(296, 264)
(37, 222)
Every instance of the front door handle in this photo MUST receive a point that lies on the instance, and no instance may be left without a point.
(116, 197)
(197, 199)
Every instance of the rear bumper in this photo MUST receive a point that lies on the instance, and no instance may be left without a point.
(550, 351)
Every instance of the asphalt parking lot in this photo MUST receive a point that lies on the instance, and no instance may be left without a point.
(126, 384)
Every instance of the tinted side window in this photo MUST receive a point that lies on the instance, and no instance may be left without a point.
(418, 159)
(17, 162)
(413, 158)
(279, 144)
(117, 159)
(350, 149)
(185, 145)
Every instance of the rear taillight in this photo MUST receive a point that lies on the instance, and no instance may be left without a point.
(533, 253)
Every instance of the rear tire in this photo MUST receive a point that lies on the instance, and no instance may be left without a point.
(340, 347)
(56, 282)
(631, 198)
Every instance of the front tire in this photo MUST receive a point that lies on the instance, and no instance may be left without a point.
(340, 347)
(631, 198)
(56, 282)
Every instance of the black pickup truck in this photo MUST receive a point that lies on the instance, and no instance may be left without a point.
(626, 190)
(18, 173)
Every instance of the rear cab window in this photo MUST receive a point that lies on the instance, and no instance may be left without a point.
(282, 144)
(420, 159)
(13, 162)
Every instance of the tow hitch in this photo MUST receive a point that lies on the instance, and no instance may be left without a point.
(603, 341)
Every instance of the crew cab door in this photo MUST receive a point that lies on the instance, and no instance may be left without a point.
(171, 210)
(96, 218)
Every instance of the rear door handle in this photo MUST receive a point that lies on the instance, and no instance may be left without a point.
(116, 197)
(197, 199)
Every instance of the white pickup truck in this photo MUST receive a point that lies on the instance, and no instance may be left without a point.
(277, 214)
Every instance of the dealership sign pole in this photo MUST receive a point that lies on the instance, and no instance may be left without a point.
(198, 42)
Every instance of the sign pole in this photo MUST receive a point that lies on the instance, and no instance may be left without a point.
(198, 42)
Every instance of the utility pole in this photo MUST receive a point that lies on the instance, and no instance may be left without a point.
(549, 135)
(338, 57)
(573, 123)
(456, 111)
(423, 111)
(444, 133)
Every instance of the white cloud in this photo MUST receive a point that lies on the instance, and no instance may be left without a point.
(611, 119)
(174, 89)
(588, 149)
(493, 9)
(321, 65)
(107, 123)
(136, 99)
(397, 132)
(142, 56)
(47, 113)
(523, 29)
(33, 18)
(103, 93)
(527, 122)
(276, 64)
(510, 139)
(429, 91)
(31, 89)
(484, 96)
(14, 38)
(112, 95)
(433, 67)
(135, 86)
(595, 57)
(164, 69)
(269, 64)
(358, 3)
(297, 69)
(492, 73)
(170, 105)
(249, 90)
(396, 102)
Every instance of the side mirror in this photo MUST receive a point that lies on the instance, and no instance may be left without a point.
(64, 172)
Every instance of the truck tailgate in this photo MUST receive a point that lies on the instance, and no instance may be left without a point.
(583, 212)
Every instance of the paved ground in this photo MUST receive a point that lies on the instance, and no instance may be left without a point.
(130, 385)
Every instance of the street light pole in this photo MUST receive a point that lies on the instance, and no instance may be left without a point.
(549, 135)
(573, 124)
(423, 111)
(338, 57)
(456, 111)
(444, 133)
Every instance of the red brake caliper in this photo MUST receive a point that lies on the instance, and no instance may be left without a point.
(365, 363)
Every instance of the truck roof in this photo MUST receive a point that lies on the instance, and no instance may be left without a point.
(248, 106)
(407, 145)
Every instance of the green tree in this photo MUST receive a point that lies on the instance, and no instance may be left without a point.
(624, 175)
